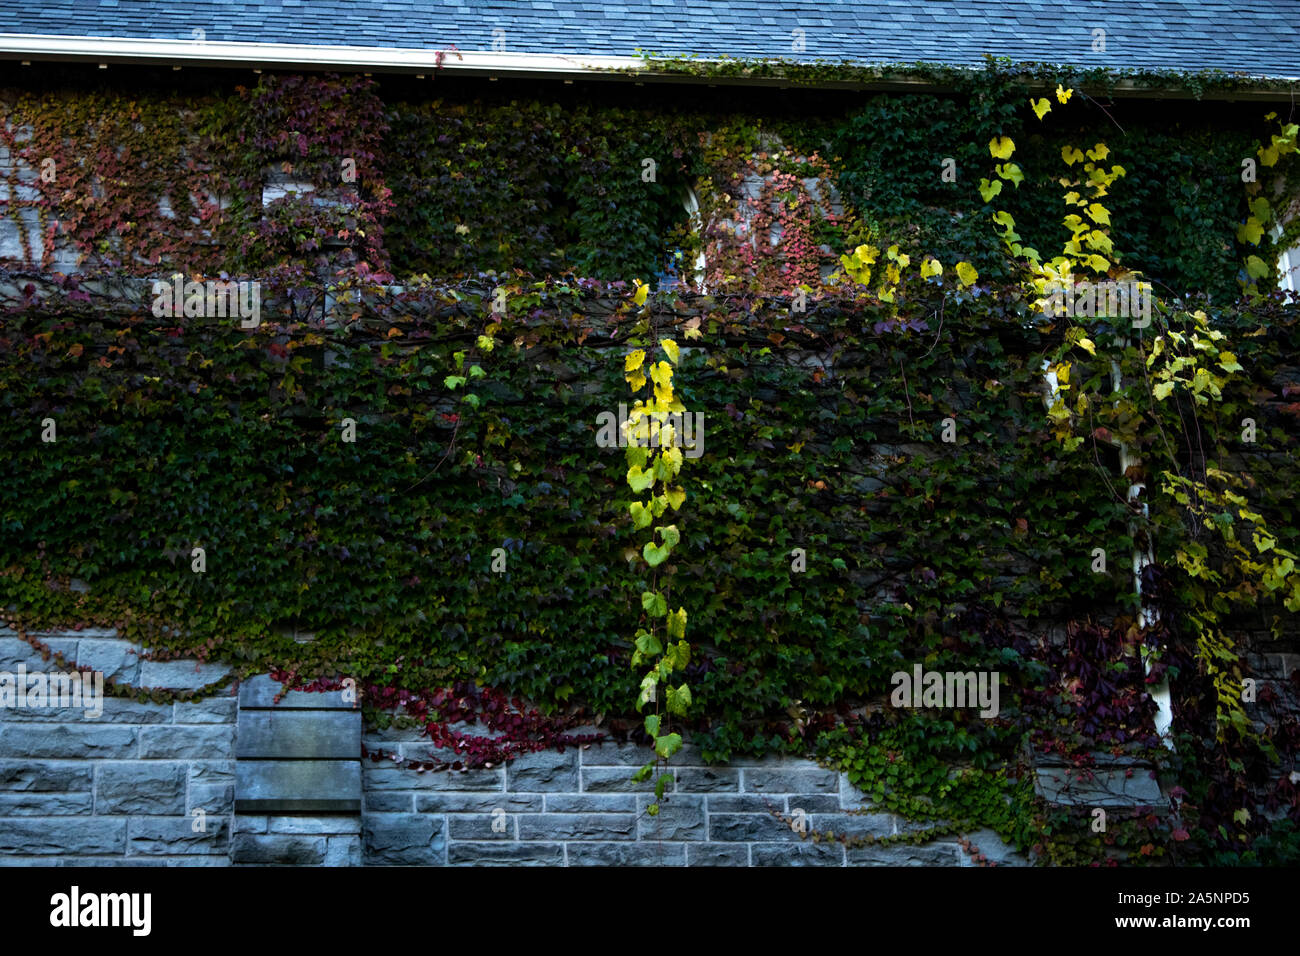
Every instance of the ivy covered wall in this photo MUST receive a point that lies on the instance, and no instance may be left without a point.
(348, 475)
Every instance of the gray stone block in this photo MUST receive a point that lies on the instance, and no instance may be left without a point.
(749, 828)
(202, 741)
(547, 770)
(328, 825)
(610, 754)
(627, 854)
(744, 803)
(31, 803)
(204, 861)
(590, 803)
(157, 836)
(387, 776)
(717, 854)
(708, 779)
(994, 849)
(120, 710)
(46, 776)
(210, 710)
(75, 741)
(180, 675)
(212, 798)
(342, 851)
(852, 824)
(481, 826)
(15, 651)
(299, 734)
(63, 836)
(616, 780)
(802, 780)
(814, 802)
(423, 750)
(297, 786)
(388, 801)
(383, 738)
(111, 861)
(478, 802)
(245, 824)
(1101, 788)
(904, 854)
(680, 817)
(577, 826)
(253, 848)
(24, 861)
(115, 659)
(260, 691)
(404, 839)
(797, 854)
(145, 787)
(771, 762)
(505, 854)
(212, 771)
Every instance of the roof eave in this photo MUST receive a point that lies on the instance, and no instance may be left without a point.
(488, 63)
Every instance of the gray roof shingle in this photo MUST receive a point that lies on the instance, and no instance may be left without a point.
(1254, 36)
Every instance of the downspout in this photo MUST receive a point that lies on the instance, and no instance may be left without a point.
(1164, 717)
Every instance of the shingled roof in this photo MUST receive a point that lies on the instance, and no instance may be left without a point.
(1257, 37)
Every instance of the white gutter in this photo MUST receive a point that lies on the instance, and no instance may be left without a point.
(191, 52)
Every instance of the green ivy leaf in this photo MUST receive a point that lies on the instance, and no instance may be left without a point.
(654, 604)
(668, 745)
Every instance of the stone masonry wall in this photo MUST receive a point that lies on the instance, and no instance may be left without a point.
(124, 788)
(580, 808)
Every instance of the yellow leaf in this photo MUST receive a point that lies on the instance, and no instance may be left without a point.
(931, 267)
(642, 290)
(670, 347)
(662, 374)
(1071, 155)
(1001, 147)
(1099, 152)
(1087, 345)
(1098, 214)
(1012, 172)
(1040, 107)
(1062, 95)
(966, 274)
(636, 381)
(1252, 230)
(634, 360)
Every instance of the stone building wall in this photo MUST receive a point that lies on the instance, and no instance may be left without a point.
(162, 784)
